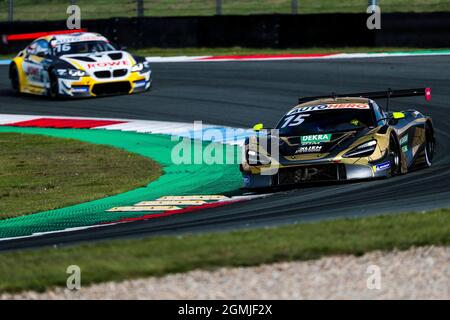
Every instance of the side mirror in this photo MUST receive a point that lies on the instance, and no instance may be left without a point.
(395, 117)
(398, 115)
(258, 127)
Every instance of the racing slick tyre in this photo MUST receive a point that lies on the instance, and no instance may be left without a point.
(429, 147)
(14, 76)
(394, 157)
(53, 92)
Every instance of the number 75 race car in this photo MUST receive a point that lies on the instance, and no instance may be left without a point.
(340, 137)
(77, 65)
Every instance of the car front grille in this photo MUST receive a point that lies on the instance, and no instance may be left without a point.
(120, 73)
(122, 87)
(102, 74)
(295, 175)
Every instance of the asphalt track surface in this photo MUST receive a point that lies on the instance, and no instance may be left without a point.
(243, 93)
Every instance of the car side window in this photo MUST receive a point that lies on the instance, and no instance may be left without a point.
(379, 114)
(42, 48)
(31, 49)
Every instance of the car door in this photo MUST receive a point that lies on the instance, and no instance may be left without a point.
(33, 66)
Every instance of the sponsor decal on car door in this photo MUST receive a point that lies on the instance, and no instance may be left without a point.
(33, 70)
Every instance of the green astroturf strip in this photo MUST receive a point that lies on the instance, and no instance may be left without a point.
(415, 52)
(184, 179)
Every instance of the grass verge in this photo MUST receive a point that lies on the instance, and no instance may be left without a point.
(100, 9)
(117, 260)
(39, 173)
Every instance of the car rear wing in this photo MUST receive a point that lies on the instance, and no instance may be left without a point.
(376, 95)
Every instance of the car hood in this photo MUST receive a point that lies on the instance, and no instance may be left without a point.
(320, 143)
(100, 61)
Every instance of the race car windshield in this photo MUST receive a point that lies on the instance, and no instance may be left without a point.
(326, 121)
(81, 47)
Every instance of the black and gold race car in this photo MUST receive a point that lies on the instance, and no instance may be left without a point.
(340, 137)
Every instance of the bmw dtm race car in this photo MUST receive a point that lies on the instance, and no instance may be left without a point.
(77, 65)
(339, 137)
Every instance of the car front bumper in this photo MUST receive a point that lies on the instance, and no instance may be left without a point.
(315, 172)
(90, 87)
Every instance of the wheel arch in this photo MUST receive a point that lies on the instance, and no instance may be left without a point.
(17, 62)
(430, 134)
(403, 160)
(10, 71)
(429, 125)
(15, 67)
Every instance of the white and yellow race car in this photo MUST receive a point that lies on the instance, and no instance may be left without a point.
(78, 65)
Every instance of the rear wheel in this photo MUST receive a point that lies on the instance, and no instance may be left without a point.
(394, 157)
(14, 76)
(429, 147)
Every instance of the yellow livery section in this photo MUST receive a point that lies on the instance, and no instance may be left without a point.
(78, 65)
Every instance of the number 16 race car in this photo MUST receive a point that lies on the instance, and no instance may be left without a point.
(340, 137)
(77, 65)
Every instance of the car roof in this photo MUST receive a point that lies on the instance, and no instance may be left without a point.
(74, 37)
(333, 101)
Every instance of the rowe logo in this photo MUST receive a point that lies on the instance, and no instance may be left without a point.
(108, 64)
(316, 138)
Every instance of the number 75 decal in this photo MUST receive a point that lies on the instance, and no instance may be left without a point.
(291, 122)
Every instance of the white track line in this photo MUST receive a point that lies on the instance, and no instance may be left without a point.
(180, 59)
(177, 129)
(300, 57)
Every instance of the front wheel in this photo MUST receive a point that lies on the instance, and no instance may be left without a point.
(394, 157)
(54, 87)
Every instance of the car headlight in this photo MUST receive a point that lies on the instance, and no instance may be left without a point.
(137, 67)
(363, 150)
(254, 158)
(77, 73)
(140, 66)
(71, 73)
